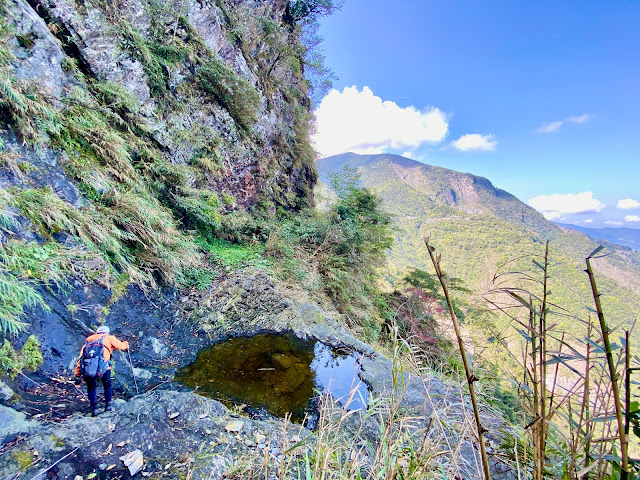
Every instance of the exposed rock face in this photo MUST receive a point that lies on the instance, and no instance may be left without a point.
(63, 46)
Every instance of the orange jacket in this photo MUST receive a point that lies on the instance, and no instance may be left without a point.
(110, 342)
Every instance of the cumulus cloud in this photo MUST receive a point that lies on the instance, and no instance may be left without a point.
(628, 204)
(588, 220)
(475, 141)
(360, 122)
(555, 126)
(632, 218)
(613, 222)
(553, 206)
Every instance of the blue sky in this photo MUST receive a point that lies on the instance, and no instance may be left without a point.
(540, 97)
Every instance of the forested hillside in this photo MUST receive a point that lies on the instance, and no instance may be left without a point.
(479, 228)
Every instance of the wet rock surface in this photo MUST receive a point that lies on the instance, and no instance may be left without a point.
(195, 442)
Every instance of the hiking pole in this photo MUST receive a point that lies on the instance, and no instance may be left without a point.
(132, 372)
(80, 391)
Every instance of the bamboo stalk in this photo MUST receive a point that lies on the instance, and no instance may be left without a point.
(537, 462)
(467, 369)
(543, 363)
(612, 369)
(627, 384)
(586, 405)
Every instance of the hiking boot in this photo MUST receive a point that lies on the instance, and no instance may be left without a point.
(95, 412)
(108, 408)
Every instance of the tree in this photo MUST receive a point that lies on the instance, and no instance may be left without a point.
(303, 10)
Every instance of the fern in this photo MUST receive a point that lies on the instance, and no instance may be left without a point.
(15, 295)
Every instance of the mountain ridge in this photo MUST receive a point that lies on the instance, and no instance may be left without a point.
(482, 187)
(624, 236)
(478, 227)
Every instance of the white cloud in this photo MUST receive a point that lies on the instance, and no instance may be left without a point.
(585, 117)
(569, 203)
(360, 122)
(550, 127)
(628, 204)
(555, 126)
(475, 141)
(552, 215)
(632, 218)
(588, 220)
(613, 222)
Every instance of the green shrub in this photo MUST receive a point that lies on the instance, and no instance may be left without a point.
(200, 209)
(228, 199)
(29, 357)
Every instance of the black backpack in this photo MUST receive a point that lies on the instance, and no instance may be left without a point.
(93, 363)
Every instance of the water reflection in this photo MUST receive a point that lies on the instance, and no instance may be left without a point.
(279, 373)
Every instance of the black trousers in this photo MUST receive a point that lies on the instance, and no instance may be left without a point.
(91, 388)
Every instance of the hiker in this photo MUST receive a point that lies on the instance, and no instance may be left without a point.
(93, 367)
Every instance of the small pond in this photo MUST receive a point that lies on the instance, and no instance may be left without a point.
(279, 373)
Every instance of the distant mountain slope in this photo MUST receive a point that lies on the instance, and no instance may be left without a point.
(628, 237)
(478, 227)
(464, 191)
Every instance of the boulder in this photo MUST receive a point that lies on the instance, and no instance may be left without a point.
(13, 422)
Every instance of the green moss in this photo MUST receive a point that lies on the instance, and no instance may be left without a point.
(26, 168)
(89, 191)
(30, 353)
(57, 442)
(236, 255)
(209, 164)
(198, 278)
(172, 54)
(119, 288)
(24, 458)
(69, 64)
(116, 96)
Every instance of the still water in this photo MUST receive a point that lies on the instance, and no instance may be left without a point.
(279, 373)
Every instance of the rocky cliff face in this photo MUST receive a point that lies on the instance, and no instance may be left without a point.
(129, 128)
(213, 87)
